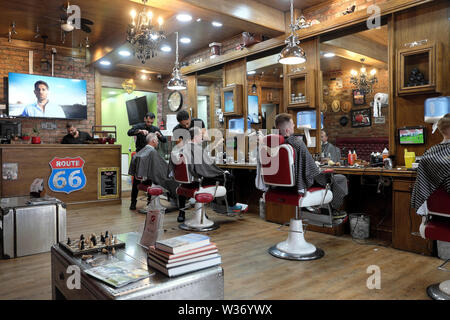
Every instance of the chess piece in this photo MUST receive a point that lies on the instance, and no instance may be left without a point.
(68, 241)
(82, 245)
(106, 234)
(113, 251)
(105, 251)
(94, 240)
(82, 237)
(102, 238)
(116, 241)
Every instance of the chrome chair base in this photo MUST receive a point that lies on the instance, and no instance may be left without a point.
(435, 293)
(274, 251)
(185, 227)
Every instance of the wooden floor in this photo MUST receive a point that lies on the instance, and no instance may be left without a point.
(250, 272)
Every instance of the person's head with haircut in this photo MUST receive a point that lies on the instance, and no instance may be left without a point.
(196, 134)
(444, 126)
(284, 123)
(149, 118)
(324, 136)
(71, 129)
(41, 90)
(184, 119)
(152, 139)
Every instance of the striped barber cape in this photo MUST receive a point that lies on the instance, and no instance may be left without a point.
(433, 172)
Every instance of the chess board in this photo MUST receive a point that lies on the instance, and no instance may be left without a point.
(75, 250)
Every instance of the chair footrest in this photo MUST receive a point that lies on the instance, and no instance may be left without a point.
(317, 219)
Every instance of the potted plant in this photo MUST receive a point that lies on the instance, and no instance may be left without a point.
(111, 139)
(36, 139)
(25, 137)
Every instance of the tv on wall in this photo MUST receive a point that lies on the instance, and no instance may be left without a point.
(35, 96)
(136, 110)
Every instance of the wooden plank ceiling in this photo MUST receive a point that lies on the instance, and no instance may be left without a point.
(111, 18)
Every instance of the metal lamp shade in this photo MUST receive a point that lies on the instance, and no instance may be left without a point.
(176, 83)
(292, 54)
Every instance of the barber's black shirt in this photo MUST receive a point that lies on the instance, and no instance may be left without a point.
(82, 138)
(193, 120)
(140, 138)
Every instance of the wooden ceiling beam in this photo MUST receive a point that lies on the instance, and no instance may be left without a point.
(354, 56)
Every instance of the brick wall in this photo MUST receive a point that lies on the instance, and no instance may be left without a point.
(14, 59)
(344, 94)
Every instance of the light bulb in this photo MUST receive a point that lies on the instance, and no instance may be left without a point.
(363, 70)
(353, 72)
(160, 21)
(133, 13)
(373, 71)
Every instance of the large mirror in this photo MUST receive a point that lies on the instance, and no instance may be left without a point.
(354, 78)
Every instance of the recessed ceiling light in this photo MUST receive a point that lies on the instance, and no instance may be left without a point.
(185, 40)
(198, 19)
(166, 48)
(112, 92)
(329, 55)
(216, 24)
(105, 63)
(125, 53)
(184, 17)
(251, 72)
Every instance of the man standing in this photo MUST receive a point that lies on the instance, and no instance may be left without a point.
(43, 108)
(185, 122)
(141, 130)
(75, 136)
(328, 150)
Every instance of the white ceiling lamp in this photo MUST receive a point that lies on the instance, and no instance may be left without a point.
(292, 53)
(251, 72)
(166, 48)
(124, 53)
(216, 24)
(185, 40)
(176, 83)
(183, 17)
(329, 55)
(105, 63)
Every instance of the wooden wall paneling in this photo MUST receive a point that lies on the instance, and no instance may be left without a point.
(423, 22)
(192, 94)
(392, 88)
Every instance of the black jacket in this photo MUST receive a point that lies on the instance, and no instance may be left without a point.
(140, 138)
(82, 138)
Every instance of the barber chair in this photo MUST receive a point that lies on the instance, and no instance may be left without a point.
(283, 191)
(436, 226)
(203, 195)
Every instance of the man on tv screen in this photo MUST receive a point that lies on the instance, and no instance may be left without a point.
(43, 108)
(75, 136)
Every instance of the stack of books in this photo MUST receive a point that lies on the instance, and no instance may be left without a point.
(183, 254)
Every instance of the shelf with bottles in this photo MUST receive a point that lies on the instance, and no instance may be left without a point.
(301, 91)
(104, 134)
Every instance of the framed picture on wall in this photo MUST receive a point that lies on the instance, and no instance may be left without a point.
(361, 118)
(359, 98)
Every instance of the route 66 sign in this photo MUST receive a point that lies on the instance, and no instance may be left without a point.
(67, 175)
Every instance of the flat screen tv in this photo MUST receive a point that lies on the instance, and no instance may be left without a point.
(137, 109)
(412, 135)
(35, 96)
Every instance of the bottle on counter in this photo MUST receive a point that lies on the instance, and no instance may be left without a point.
(354, 156)
(350, 158)
(385, 153)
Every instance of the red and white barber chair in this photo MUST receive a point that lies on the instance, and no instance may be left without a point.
(202, 195)
(278, 172)
(436, 226)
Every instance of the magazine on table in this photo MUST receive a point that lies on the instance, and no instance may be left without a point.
(182, 243)
(119, 274)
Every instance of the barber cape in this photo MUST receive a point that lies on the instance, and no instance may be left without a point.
(433, 171)
(198, 164)
(149, 165)
(328, 148)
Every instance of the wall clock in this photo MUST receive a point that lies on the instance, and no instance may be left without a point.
(175, 101)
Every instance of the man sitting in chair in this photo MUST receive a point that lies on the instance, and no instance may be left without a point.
(200, 167)
(149, 165)
(306, 171)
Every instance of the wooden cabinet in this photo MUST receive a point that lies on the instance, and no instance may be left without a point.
(270, 95)
(405, 230)
(301, 90)
(419, 69)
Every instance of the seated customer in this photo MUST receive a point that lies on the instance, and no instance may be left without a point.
(434, 169)
(306, 171)
(149, 165)
(75, 136)
(328, 150)
(201, 167)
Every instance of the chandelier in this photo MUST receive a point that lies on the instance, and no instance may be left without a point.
(292, 53)
(142, 34)
(363, 81)
(176, 83)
